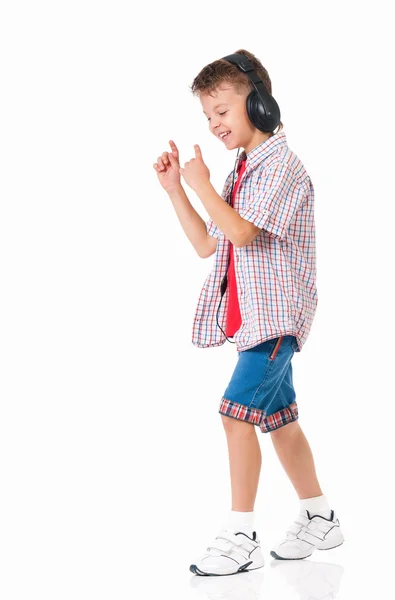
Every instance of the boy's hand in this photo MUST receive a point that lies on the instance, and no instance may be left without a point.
(168, 169)
(195, 172)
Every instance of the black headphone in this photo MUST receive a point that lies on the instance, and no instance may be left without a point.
(264, 113)
(262, 109)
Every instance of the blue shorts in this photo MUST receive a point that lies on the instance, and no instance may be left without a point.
(261, 389)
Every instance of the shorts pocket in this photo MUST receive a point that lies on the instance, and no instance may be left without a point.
(276, 348)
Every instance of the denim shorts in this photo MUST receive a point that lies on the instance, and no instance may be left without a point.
(261, 388)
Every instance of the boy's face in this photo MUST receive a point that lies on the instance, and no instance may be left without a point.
(227, 111)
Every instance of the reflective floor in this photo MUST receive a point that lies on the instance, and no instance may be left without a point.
(306, 579)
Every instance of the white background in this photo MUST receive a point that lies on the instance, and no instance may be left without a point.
(113, 460)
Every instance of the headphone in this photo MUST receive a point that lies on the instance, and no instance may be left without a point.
(264, 113)
(262, 109)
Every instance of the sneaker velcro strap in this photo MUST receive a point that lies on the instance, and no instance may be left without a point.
(225, 540)
(238, 540)
(295, 527)
(220, 545)
(311, 537)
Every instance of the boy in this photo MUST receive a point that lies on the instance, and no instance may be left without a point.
(263, 237)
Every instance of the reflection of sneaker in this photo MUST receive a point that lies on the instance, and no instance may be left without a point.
(308, 533)
(231, 552)
(311, 580)
(247, 586)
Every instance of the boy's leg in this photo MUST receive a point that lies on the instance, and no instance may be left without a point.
(237, 547)
(295, 455)
(317, 525)
(245, 461)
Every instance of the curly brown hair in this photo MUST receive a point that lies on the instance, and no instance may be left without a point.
(213, 75)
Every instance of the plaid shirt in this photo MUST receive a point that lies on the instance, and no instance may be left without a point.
(276, 272)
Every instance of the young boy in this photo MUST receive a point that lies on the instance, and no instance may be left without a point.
(263, 235)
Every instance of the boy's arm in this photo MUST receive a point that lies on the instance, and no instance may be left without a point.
(238, 230)
(192, 223)
(277, 197)
(212, 243)
(272, 207)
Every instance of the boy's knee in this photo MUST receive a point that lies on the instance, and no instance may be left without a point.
(232, 425)
(285, 430)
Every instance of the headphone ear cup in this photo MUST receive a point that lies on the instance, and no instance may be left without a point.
(255, 110)
(257, 114)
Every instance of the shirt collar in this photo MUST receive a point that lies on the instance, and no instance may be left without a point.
(256, 156)
(263, 150)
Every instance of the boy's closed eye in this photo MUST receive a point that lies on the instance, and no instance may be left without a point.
(223, 113)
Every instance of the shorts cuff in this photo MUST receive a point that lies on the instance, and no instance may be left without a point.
(241, 412)
(280, 418)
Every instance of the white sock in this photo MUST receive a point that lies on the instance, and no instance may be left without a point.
(316, 506)
(241, 521)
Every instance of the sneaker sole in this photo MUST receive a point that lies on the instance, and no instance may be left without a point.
(275, 555)
(194, 569)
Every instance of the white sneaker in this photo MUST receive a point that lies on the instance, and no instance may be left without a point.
(308, 533)
(231, 552)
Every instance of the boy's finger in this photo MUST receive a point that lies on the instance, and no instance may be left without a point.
(173, 159)
(198, 152)
(173, 147)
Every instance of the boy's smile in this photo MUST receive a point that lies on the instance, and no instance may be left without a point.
(226, 111)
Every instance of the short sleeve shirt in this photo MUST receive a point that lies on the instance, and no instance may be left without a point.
(276, 271)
